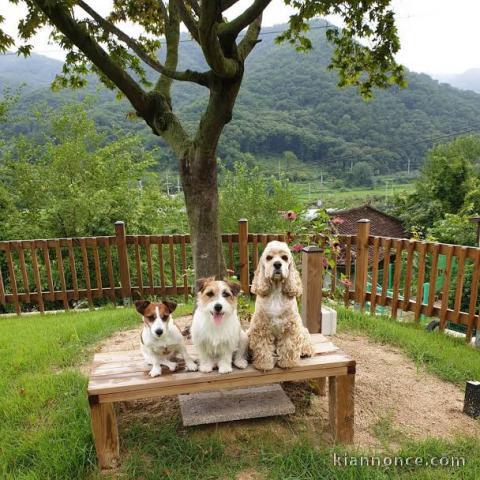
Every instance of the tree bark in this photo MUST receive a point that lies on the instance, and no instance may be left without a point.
(201, 199)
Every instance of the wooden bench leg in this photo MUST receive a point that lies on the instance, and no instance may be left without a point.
(105, 433)
(341, 407)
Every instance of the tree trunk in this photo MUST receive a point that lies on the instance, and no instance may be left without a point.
(201, 199)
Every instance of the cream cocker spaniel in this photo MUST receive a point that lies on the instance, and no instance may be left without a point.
(276, 333)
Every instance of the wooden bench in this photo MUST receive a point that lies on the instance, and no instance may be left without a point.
(120, 376)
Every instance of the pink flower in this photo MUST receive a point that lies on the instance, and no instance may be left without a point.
(338, 221)
(297, 247)
(290, 215)
(346, 282)
(325, 262)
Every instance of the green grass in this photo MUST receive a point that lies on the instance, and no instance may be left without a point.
(45, 424)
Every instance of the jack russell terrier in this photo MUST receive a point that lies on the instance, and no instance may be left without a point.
(216, 330)
(161, 338)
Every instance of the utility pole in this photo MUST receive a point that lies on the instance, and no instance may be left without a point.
(408, 168)
(179, 188)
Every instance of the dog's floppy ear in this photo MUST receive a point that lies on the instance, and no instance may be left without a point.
(141, 305)
(170, 305)
(234, 287)
(201, 282)
(292, 285)
(260, 283)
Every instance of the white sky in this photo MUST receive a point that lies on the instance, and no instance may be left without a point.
(437, 36)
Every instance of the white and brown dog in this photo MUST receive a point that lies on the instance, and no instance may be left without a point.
(161, 339)
(216, 329)
(276, 333)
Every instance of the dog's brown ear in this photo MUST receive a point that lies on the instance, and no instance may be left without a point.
(234, 287)
(170, 305)
(201, 282)
(141, 305)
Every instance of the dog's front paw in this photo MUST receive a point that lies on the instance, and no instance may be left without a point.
(227, 368)
(192, 366)
(155, 372)
(172, 366)
(264, 365)
(240, 363)
(286, 363)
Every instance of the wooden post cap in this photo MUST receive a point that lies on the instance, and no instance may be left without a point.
(119, 222)
(243, 220)
(363, 220)
(312, 249)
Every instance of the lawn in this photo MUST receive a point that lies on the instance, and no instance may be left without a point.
(45, 426)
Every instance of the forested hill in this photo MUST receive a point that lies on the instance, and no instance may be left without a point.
(289, 102)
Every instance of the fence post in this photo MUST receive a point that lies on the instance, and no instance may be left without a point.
(361, 268)
(312, 282)
(123, 262)
(243, 255)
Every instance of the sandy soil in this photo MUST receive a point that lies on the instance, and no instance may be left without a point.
(395, 400)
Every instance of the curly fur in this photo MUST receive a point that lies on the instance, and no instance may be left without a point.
(276, 334)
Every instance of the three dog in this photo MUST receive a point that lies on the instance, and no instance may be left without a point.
(276, 335)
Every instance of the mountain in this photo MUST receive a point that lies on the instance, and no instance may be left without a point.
(468, 80)
(289, 101)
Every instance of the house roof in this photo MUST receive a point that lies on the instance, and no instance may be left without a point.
(381, 223)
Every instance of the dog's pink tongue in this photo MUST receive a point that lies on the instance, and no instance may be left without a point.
(217, 318)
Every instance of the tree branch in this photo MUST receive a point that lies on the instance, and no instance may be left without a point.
(188, 75)
(194, 6)
(248, 42)
(188, 20)
(62, 19)
(210, 43)
(235, 26)
(226, 4)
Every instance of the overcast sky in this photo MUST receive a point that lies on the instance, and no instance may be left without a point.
(437, 36)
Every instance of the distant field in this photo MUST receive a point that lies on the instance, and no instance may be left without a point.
(348, 198)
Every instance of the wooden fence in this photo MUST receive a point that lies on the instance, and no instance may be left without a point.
(425, 278)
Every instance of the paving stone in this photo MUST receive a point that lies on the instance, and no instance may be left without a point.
(237, 404)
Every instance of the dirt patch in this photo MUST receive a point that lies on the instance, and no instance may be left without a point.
(395, 401)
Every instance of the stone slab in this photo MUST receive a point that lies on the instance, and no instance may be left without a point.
(237, 404)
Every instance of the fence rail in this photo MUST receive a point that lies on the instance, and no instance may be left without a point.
(387, 274)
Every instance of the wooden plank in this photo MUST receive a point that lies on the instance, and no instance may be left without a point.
(23, 270)
(12, 279)
(173, 267)
(433, 278)
(183, 252)
(460, 278)
(98, 271)
(333, 285)
(140, 381)
(312, 280)
(386, 244)
(361, 264)
(348, 269)
(375, 262)
(224, 382)
(61, 275)
(148, 251)
(48, 270)
(397, 272)
(255, 252)
(105, 434)
(73, 269)
(244, 267)
(421, 247)
(473, 298)
(342, 407)
(230, 255)
(86, 271)
(445, 289)
(138, 265)
(408, 275)
(2, 288)
(37, 279)
(161, 267)
(111, 278)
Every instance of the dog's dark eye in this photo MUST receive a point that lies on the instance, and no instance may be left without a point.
(269, 257)
(165, 318)
(151, 318)
(209, 294)
(225, 294)
(284, 258)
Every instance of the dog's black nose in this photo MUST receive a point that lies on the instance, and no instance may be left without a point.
(218, 307)
(158, 331)
(277, 265)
